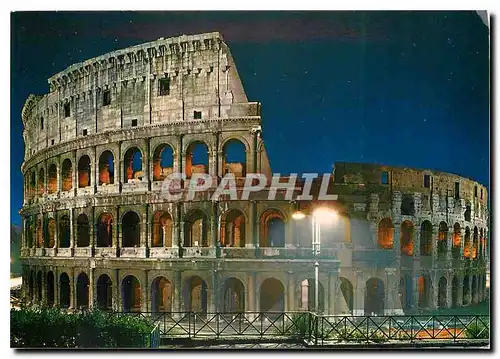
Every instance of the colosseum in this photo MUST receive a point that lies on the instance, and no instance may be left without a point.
(97, 231)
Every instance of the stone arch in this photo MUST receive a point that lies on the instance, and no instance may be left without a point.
(104, 292)
(197, 158)
(457, 241)
(105, 230)
(196, 229)
(307, 296)
(67, 175)
(195, 295)
(234, 296)
(82, 231)
(64, 231)
(41, 182)
(442, 293)
(52, 179)
(163, 161)
(272, 295)
(51, 232)
(272, 228)
(162, 229)
(426, 238)
(407, 230)
(234, 157)
(161, 295)
(454, 292)
(106, 168)
(64, 291)
(131, 294)
(82, 291)
(385, 235)
(232, 228)
(424, 287)
(348, 292)
(131, 230)
(50, 289)
(406, 291)
(84, 171)
(442, 240)
(467, 251)
(374, 296)
(133, 166)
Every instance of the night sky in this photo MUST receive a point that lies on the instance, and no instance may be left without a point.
(396, 88)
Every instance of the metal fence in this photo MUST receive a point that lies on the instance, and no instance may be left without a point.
(320, 330)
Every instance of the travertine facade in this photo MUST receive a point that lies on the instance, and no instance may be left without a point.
(96, 230)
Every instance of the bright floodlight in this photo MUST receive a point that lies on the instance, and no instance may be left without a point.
(324, 215)
(298, 215)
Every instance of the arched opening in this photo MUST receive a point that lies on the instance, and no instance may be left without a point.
(106, 168)
(426, 238)
(272, 296)
(442, 293)
(481, 244)
(234, 158)
(64, 291)
(162, 229)
(161, 295)
(52, 180)
(474, 290)
(475, 243)
(104, 292)
(307, 296)
(457, 241)
(131, 236)
(83, 231)
(131, 294)
(195, 295)
(385, 236)
(454, 292)
(163, 162)
(442, 240)
(39, 286)
(467, 253)
(82, 291)
(272, 229)
(196, 158)
(105, 230)
(67, 175)
(84, 172)
(374, 297)
(405, 292)
(32, 189)
(39, 233)
(467, 213)
(232, 229)
(133, 166)
(41, 182)
(29, 231)
(347, 292)
(51, 233)
(64, 232)
(466, 291)
(424, 292)
(234, 296)
(50, 289)
(407, 206)
(196, 229)
(407, 238)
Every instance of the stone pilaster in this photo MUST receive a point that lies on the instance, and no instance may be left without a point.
(359, 292)
(393, 303)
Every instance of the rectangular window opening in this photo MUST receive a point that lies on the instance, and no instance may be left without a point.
(134, 122)
(457, 190)
(197, 115)
(52, 142)
(67, 111)
(481, 193)
(475, 191)
(106, 98)
(384, 177)
(85, 132)
(164, 86)
(427, 181)
(41, 123)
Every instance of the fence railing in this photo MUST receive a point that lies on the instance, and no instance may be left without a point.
(320, 329)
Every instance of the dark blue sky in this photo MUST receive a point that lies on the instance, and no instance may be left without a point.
(398, 88)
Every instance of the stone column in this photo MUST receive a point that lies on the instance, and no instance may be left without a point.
(416, 241)
(117, 300)
(435, 290)
(332, 295)
(72, 242)
(74, 173)
(397, 240)
(177, 292)
(145, 293)
(449, 290)
(415, 295)
(143, 241)
(214, 225)
(146, 163)
(92, 284)
(116, 240)
(359, 292)
(94, 175)
(393, 304)
(44, 286)
(251, 292)
(214, 291)
(435, 231)
(72, 289)
(291, 293)
(449, 240)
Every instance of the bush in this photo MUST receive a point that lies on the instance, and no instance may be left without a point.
(51, 328)
(477, 331)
